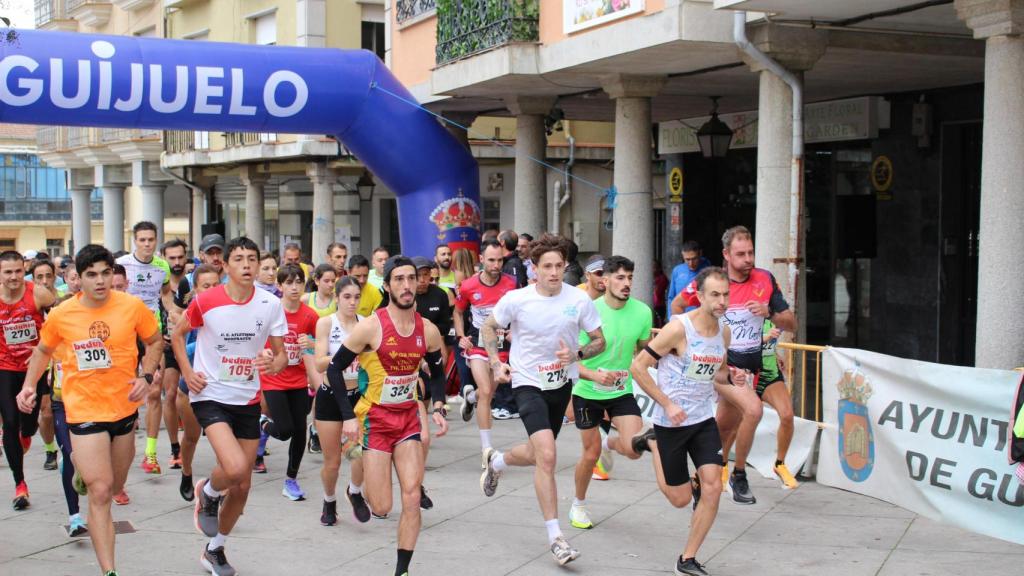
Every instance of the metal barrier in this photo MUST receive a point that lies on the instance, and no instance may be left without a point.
(790, 366)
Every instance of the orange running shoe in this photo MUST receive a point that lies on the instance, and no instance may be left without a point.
(121, 498)
(20, 501)
(599, 473)
(150, 465)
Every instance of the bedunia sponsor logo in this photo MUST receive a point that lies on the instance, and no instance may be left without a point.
(216, 90)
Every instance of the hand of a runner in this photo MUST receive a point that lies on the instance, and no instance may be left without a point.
(442, 424)
(26, 400)
(350, 429)
(757, 308)
(502, 373)
(196, 382)
(675, 415)
(740, 377)
(305, 342)
(774, 333)
(138, 391)
(264, 360)
(608, 377)
(465, 343)
(564, 354)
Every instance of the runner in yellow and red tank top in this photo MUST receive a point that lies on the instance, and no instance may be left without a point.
(391, 345)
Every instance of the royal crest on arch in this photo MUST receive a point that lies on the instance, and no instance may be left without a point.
(454, 213)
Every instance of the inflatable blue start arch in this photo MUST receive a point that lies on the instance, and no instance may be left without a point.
(126, 82)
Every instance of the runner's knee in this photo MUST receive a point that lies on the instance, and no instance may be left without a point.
(545, 458)
(753, 410)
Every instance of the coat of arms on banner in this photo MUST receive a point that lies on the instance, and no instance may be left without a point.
(856, 440)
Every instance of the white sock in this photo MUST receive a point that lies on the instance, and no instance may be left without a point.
(353, 489)
(331, 498)
(209, 491)
(604, 443)
(578, 502)
(498, 463)
(485, 439)
(554, 531)
(73, 517)
(218, 541)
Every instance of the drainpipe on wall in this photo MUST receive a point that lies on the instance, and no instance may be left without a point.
(796, 175)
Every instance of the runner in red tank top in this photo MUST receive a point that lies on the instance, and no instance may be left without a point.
(753, 296)
(21, 317)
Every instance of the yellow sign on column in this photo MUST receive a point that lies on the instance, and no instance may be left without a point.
(675, 185)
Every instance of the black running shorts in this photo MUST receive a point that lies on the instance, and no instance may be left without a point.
(589, 413)
(326, 407)
(243, 420)
(121, 427)
(700, 441)
(542, 409)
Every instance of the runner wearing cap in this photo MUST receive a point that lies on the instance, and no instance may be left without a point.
(211, 251)
(594, 275)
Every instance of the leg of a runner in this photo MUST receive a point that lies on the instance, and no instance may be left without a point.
(626, 427)
(154, 411)
(67, 473)
(591, 438)
(408, 459)
(170, 403)
(288, 410)
(233, 472)
(484, 394)
(10, 385)
(540, 452)
(122, 452)
(742, 402)
(93, 456)
(190, 438)
(377, 480)
(678, 496)
(330, 441)
(777, 395)
(707, 508)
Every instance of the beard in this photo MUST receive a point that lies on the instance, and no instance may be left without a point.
(177, 270)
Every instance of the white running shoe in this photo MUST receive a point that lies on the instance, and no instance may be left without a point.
(579, 518)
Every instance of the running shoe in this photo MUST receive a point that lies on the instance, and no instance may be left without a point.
(562, 552)
(261, 448)
(783, 473)
(467, 407)
(76, 526)
(425, 502)
(741, 493)
(641, 442)
(81, 488)
(175, 462)
(207, 510)
(483, 458)
(259, 466)
(26, 443)
(379, 516)
(110, 573)
(605, 460)
(51, 461)
(122, 498)
(264, 422)
(599, 473)
(20, 501)
(501, 414)
(216, 562)
(292, 491)
(689, 567)
(150, 465)
(489, 479)
(360, 510)
(314, 442)
(186, 489)
(579, 518)
(329, 516)
(695, 487)
(514, 415)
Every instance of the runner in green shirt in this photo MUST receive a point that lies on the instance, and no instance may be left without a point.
(605, 385)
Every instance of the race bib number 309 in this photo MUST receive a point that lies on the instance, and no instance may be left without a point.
(91, 354)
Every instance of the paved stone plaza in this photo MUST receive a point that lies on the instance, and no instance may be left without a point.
(813, 530)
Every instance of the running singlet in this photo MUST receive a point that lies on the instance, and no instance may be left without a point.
(230, 336)
(293, 377)
(394, 367)
(321, 312)
(480, 299)
(539, 326)
(747, 329)
(101, 355)
(622, 329)
(146, 279)
(20, 322)
(335, 338)
(688, 378)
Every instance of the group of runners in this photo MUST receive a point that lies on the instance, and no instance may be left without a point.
(245, 347)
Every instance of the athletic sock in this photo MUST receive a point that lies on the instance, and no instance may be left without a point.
(498, 463)
(175, 448)
(150, 446)
(50, 446)
(554, 531)
(73, 517)
(578, 502)
(604, 443)
(353, 489)
(778, 462)
(485, 439)
(402, 566)
(209, 491)
(217, 541)
(331, 498)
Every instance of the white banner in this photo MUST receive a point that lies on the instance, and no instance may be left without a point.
(580, 14)
(763, 452)
(927, 437)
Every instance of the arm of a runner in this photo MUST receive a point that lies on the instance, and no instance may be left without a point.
(313, 375)
(438, 382)
(779, 311)
(189, 320)
(320, 356)
(672, 336)
(43, 297)
(37, 365)
(590, 322)
(726, 375)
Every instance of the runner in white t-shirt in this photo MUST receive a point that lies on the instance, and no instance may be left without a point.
(234, 322)
(545, 322)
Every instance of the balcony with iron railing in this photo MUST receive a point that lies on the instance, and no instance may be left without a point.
(468, 27)
(53, 15)
(92, 13)
(408, 10)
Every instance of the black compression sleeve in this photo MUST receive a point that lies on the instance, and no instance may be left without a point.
(651, 351)
(438, 382)
(342, 358)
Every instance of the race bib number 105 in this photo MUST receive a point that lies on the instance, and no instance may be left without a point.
(237, 369)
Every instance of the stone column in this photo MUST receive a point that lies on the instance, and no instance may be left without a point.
(999, 342)
(530, 213)
(198, 216)
(797, 50)
(152, 194)
(81, 218)
(633, 217)
(254, 182)
(323, 209)
(113, 207)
